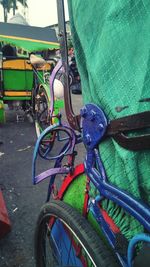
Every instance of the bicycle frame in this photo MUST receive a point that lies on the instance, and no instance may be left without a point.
(94, 118)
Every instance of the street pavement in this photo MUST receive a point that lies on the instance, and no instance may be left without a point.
(22, 198)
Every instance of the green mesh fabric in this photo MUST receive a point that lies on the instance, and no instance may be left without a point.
(112, 48)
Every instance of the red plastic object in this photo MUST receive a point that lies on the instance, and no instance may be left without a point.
(5, 225)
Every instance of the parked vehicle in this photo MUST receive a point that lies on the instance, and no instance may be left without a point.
(19, 80)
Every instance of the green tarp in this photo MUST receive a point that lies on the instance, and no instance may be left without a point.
(112, 48)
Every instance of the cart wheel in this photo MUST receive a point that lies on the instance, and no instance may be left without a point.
(41, 110)
(64, 238)
(42, 118)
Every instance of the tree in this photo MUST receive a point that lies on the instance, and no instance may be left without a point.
(8, 4)
(6, 7)
(14, 4)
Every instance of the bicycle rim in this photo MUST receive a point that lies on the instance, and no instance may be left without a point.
(59, 244)
(42, 111)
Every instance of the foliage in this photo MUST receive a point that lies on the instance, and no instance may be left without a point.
(11, 4)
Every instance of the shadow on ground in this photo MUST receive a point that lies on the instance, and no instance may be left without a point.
(23, 200)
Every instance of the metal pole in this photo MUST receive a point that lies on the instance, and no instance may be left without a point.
(1, 75)
(74, 120)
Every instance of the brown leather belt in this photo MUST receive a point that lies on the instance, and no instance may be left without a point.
(133, 123)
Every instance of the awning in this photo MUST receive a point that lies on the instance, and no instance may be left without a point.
(29, 38)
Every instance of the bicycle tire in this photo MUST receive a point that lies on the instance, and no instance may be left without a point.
(41, 98)
(93, 247)
(40, 127)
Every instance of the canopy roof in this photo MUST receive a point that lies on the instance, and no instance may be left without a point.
(29, 38)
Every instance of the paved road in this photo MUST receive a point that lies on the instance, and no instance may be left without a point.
(23, 200)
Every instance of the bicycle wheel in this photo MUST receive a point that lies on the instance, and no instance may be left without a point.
(41, 110)
(42, 119)
(64, 238)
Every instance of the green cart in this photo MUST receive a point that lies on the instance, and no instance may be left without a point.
(19, 79)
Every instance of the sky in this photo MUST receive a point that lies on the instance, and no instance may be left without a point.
(39, 13)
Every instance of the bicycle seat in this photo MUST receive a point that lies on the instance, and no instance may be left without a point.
(37, 62)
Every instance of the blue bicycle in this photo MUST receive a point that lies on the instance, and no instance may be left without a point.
(70, 238)
(74, 228)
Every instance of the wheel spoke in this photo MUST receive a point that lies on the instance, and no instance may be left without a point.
(66, 245)
(68, 240)
(42, 109)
